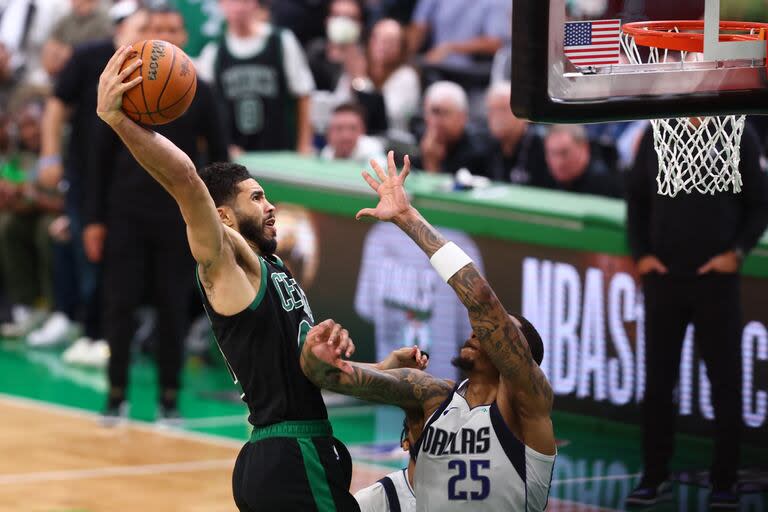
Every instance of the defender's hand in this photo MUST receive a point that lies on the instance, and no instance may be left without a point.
(329, 342)
(406, 357)
(112, 85)
(393, 200)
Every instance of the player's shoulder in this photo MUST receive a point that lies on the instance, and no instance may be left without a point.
(372, 498)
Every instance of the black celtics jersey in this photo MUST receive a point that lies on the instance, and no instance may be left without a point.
(261, 347)
(260, 110)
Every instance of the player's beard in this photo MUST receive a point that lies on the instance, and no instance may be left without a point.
(463, 364)
(255, 234)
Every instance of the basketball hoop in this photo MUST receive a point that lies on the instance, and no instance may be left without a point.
(695, 154)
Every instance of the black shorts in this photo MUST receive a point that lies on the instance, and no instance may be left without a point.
(292, 474)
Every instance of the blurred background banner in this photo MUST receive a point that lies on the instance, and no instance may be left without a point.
(587, 304)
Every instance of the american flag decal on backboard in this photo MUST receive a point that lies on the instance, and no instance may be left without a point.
(592, 43)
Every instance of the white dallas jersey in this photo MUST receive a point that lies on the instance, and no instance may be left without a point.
(469, 457)
(394, 495)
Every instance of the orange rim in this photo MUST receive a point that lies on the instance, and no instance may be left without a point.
(690, 38)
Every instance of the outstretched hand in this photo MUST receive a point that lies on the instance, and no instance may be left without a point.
(393, 200)
(406, 357)
(330, 342)
(112, 84)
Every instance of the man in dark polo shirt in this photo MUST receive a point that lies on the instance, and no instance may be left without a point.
(74, 102)
(448, 144)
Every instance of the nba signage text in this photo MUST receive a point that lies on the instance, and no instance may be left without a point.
(592, 324)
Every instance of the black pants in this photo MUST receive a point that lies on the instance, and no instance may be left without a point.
(291, 475)
(144, 260)
(712, 302)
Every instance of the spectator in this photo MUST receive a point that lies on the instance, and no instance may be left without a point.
(460, 30)
(518, 152)
(74, 100)
(347, 139)
(381, 75)
(689, 251)
(86, 22)
(25, 251)
(326, 56)
(135, 228)
(24, 28)
(299, 16)
(571, 165)
(259, 72)
(400, 10)
(448, 144)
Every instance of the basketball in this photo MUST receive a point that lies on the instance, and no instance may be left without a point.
(168, 87)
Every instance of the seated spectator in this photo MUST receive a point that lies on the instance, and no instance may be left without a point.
(572, 165)
(347, 139)
(298, 16)
(260, 73)
(326, 55)
(381, 75)
(448, 144)
(25, 249)
(400, 10)
(86, 22)
(460, 30)
(517, 155)
(24, 27)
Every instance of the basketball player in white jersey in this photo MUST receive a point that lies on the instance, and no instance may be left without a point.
(487, 443)
(394, 492)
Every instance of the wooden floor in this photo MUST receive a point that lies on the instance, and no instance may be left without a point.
(54, 459)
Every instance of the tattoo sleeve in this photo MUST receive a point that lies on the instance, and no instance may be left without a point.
(407, 388)
(497, 333)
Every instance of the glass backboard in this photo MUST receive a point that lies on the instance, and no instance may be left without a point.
(573, 61)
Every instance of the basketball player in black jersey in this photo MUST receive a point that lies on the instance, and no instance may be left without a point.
(259, 313)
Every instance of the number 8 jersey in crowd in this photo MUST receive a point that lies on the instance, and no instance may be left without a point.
(470, 457)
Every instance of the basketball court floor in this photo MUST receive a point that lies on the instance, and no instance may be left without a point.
(56, 457)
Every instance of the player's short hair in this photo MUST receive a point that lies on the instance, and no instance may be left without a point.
(532, 336)
(221, 179)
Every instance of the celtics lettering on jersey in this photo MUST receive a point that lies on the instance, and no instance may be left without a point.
(291, 294)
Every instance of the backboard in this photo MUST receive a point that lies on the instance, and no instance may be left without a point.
(569, 65)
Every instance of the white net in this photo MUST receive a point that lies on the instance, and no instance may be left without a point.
(695, 154)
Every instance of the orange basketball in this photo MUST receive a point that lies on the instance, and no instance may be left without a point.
(168, 87)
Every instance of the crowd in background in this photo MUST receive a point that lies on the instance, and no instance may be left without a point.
(339, 79)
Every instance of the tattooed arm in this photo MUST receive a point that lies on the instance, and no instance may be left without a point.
(496, 331)
(411, 389)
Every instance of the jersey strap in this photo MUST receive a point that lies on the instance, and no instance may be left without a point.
(389, 490)
(414, 450)
(513, 447)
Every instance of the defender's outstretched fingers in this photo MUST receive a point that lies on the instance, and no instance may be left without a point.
(378, 170)
(406, 168)
(366, 212)
(391, 165)
(371, 181)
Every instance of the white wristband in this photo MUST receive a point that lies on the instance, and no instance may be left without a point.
(448, 260)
